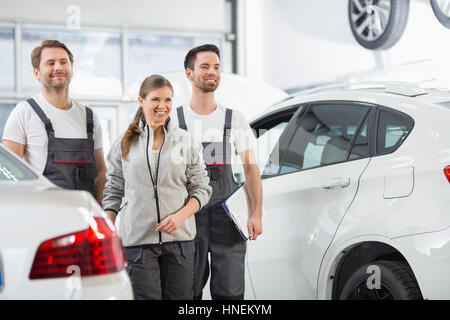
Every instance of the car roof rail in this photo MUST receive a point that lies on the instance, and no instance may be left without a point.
(397, 87)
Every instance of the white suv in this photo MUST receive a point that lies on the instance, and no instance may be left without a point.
(356, 195)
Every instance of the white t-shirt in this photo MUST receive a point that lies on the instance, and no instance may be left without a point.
(24, 126)
(209, 128)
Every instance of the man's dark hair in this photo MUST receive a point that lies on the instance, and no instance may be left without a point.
(189, 61)
(36, 54)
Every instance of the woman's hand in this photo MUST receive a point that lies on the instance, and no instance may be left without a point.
(111, 215)
(171, 223)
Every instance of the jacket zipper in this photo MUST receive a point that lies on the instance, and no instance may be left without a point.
(155, 182)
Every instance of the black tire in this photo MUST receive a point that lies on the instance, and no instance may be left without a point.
(443, 17)
(392, 31)
(397, 282)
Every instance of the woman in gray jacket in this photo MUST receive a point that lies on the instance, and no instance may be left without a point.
(156, 172)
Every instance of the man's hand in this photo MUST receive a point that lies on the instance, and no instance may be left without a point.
(254, 226)
(99, 184)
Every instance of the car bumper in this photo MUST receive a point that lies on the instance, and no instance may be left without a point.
(114, 286)
(429, 256)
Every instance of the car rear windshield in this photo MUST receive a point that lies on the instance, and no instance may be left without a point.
(12, 169)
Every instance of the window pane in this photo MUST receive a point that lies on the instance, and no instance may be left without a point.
(5, 110)
(323, 137)
(12, 169)
(108, 120)
(106, 129)
(7, 79)
(156, 54)
(97, 60)
(392, 130)
(267, 145)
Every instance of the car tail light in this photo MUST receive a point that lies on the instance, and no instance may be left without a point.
(447, 173)
(97, 250)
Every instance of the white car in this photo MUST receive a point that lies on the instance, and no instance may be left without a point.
(356, 195)
(55, 243)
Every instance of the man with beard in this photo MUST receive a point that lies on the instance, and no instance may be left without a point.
(224, 134)
(55, 134)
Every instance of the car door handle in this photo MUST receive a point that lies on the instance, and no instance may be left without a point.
(337, 183)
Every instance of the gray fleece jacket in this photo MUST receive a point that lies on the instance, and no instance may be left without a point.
(181, 175)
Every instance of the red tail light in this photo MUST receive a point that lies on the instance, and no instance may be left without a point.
(447, 173)
(97, 250)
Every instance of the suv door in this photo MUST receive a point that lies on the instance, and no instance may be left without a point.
(309, 182)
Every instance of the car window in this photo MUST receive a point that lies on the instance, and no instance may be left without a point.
(323, 136)
(268, 130)
(12, 169)
(393, 128)
(267, 142)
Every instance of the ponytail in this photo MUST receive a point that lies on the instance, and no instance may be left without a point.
(131, 135)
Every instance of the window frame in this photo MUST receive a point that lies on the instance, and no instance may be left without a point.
(124, 32)
(274, 118)
(376, 137)
(14, 90)
(370, 117)
(291, 129)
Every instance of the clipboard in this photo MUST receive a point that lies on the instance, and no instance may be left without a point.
(237, 207)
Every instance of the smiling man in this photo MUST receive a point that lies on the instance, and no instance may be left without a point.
(55, 134)
(225, 134)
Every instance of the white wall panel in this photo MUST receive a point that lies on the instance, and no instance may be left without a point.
(201, 15)
(294, 43)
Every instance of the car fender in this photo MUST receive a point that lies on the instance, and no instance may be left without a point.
(335, 252)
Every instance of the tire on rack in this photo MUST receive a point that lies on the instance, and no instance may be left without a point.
(396, 282)
(391, 17)
(441, 9)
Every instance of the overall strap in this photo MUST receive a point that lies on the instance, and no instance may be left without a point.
(181, 120)
(228, 115)
(226, 133)
(90, 123)
(42, 116)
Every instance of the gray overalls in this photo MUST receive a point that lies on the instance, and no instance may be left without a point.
(216, 234)
(70, 162)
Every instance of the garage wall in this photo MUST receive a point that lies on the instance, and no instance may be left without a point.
(168, 14)
(296, 43)
(129, 40)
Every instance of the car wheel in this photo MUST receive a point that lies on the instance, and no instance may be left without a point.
(378, 24)
(396, 282)
(441, 9)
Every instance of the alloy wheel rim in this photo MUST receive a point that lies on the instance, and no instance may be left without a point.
(371, 17)
(444, 6)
